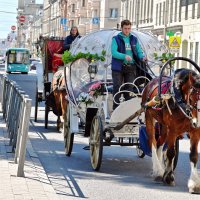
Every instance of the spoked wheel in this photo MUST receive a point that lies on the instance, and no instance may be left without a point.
(68, 136)
(176, 156)
(96, 143)
(140, 152)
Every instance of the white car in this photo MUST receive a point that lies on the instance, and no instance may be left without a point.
(2, 59)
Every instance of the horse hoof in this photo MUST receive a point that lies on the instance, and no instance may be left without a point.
(158, 178)
(194, 187)
(195, 190)
(169, 179)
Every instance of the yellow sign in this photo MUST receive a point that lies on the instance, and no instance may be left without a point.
(174, 42)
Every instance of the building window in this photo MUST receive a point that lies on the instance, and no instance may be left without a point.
(113, 13)
(73, 7)
(72, 23)
(156, 14)
(191, 51)
(94, 13)
(83, 3)
(164, 13)
(145, 3)
(198, 10)
(180, 8)
(196, 52)
(151, 18)
(171, 10)
(175, 11)
(160, 12)
(193, 10)
(148, 9)
(186, 10)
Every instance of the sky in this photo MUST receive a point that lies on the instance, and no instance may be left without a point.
(8, 14)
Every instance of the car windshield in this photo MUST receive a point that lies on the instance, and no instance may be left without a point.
(18, 57)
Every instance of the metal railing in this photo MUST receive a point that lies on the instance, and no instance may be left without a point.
(16, 108)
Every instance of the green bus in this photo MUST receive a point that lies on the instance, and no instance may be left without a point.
(17, 60)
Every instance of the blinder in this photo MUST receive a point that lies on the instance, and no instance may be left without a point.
(196, 106)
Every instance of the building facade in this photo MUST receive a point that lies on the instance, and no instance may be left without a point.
(161, 17)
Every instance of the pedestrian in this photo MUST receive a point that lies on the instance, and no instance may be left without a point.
(126, 51)
(70, 38)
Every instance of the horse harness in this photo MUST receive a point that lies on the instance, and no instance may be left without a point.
(60, 85)
(167, 93)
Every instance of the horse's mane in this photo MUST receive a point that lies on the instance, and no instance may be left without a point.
(184, 76)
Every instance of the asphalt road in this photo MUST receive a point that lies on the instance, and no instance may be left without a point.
(123, 175)
(26, 82)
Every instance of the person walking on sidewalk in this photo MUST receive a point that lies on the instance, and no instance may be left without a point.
(126, 52)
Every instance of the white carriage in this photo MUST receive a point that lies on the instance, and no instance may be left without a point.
(92, 113)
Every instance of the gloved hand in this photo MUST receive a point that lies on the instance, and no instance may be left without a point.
(144, 59)
(128, 58)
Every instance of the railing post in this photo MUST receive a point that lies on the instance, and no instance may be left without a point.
(22, 146)
(16, 107)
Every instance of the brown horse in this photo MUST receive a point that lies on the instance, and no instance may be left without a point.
(174, 123)
(59, 92)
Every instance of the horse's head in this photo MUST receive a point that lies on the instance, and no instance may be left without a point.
(191, 91)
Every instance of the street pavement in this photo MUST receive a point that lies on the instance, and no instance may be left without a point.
(35, 185)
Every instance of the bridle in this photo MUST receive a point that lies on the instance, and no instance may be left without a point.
(192, 91)
(195, 106)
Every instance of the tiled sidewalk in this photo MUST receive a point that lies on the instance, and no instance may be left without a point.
(35, 185)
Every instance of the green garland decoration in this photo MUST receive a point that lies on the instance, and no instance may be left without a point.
(67, 57)
(164, 57)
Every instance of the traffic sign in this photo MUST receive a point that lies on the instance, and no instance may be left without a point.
(174, 42)
(13, 28)
(22, 18)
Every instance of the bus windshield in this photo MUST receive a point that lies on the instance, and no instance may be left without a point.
(18, 57)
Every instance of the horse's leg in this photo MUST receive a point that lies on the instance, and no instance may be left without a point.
(57, 102)
(168, 176)
(63, 102)
(194, 180)
(58, 123)
(160, 144)
(157, 168)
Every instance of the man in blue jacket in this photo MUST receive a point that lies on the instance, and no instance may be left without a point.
(126, 51)
(70, 38)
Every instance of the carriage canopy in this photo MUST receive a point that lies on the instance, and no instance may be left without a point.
(78, 77)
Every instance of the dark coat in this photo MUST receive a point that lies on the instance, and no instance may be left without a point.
(68, 41)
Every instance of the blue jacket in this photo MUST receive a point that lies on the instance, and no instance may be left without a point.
(137, 54)
(68, 41)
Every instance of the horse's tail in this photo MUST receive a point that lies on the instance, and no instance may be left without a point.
(126, 121)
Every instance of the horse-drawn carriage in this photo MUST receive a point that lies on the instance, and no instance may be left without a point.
(89, 89)
(152, 120)
(51, 49)
(89, 100)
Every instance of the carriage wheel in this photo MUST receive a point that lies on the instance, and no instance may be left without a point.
(140, 152)
(96, 143)
(68, 136)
